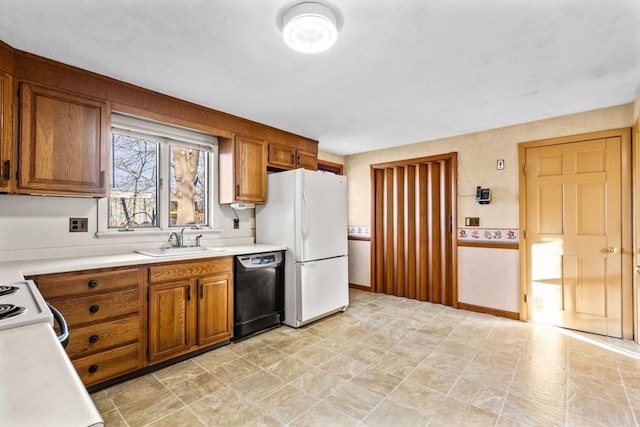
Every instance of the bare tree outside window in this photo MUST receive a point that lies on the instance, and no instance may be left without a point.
(188, 186)
(133, 195)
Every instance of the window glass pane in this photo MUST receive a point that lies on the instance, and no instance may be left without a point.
(134, 189)
(188, 181)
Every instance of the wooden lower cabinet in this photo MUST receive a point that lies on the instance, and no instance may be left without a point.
(104, 310)
(107, 364)
(170, 323)
(215, 309)
(190, 306)
(114, 331)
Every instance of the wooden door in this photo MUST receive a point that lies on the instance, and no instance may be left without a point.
(215, 309)
(251, 170)
(63, 143)
(171, 321)
(413, 244)
(574, 234)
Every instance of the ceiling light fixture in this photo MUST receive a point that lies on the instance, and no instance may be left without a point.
(310, 28)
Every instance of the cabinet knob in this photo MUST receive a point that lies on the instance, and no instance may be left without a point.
(93, 283)
(94, 308)
(94, 339)
(93, 369)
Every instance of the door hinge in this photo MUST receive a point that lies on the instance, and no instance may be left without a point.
(524, 169)
(524, 234)
(525, 298)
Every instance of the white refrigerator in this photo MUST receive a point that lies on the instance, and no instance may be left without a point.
(307, 211)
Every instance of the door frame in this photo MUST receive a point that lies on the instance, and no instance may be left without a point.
(635, 150)
(627, 209)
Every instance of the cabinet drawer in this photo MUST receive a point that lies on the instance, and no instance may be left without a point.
(82, 310)
(185, 270)
(95, 338)
(106, 365)
(66, 284)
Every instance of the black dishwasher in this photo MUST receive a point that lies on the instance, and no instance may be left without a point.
(258, 298)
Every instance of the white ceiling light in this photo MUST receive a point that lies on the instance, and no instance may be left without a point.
(310, 28)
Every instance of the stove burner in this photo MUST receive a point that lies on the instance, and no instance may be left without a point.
(9, 310)
(8, 290)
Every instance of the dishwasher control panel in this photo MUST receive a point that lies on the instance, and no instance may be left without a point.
(261, 260)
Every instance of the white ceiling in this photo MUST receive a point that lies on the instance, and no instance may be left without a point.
(402, 71)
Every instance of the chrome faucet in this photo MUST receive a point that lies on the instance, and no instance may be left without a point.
(179, 238)
(198, 237)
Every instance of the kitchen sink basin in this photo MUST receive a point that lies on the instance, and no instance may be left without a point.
(161, 252)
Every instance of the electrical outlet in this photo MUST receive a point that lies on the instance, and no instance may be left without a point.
(236, 223)
(78, 225)
(471, 221)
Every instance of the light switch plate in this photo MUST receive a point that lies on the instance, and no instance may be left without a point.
(472, 221)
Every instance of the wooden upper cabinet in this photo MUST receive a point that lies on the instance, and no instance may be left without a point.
(287, 157)
(282, 156)
(5, 130)
(242, 170)
(307, 160)
(63, 144)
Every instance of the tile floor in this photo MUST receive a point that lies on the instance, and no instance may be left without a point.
(391, 361)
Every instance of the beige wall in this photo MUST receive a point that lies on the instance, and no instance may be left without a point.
(330, 157)
(486, 277)
(477, 156)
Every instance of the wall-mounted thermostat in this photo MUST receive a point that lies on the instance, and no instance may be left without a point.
(483, 195)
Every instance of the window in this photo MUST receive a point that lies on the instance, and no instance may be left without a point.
(161, 176)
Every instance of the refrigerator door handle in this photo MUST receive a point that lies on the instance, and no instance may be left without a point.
(305, 216)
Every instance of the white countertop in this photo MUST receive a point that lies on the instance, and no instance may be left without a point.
(14, 271)
(38, 384)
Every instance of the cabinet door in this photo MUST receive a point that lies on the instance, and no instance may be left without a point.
(5, 129)
(215, 314)
(171, 319)
(250, 170)
(281, 156)
(307, 160)
(63, 143)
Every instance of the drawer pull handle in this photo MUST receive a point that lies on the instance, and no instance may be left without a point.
(93, 283)
(94, 308)
(93, 369)
(94, 339)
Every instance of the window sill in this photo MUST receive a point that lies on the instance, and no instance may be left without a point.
(137, 232)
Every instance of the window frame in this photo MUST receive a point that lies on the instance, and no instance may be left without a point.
(164, 134)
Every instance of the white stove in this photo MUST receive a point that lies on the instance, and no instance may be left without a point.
(22, 304)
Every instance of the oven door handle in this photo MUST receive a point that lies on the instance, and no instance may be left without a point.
(64, 329)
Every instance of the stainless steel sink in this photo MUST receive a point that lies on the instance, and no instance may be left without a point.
(162, 252)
